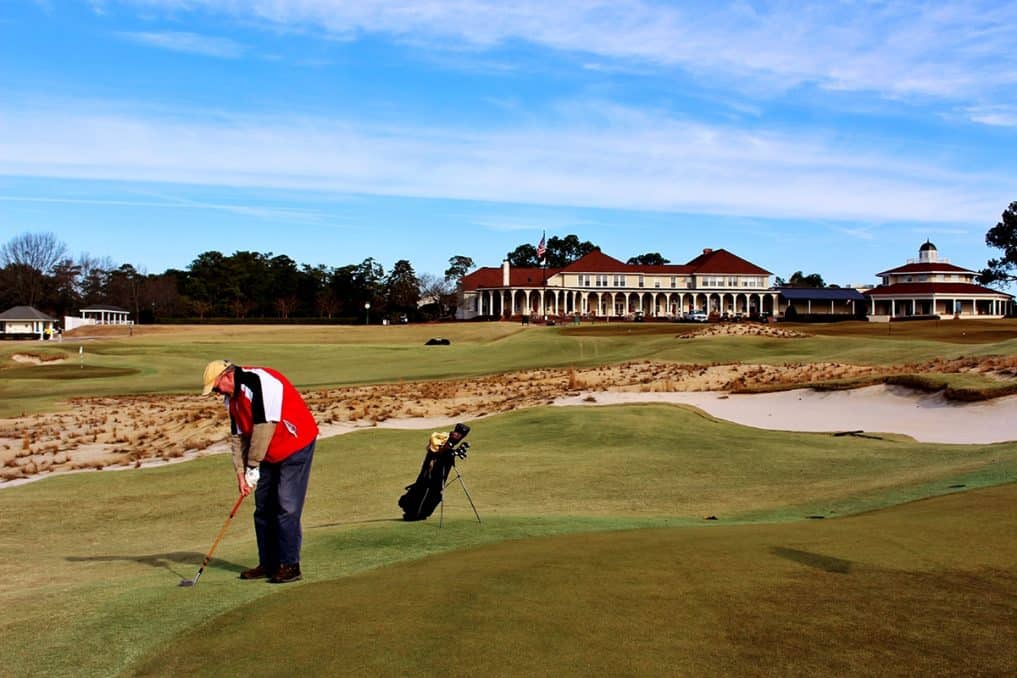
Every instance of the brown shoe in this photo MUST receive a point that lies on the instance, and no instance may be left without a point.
(286, 573)
(258, 572)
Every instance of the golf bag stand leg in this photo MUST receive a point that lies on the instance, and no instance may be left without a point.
(459, 477)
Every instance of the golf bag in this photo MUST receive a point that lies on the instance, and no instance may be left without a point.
(424, 495)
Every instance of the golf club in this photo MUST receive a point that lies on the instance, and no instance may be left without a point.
(208, 557)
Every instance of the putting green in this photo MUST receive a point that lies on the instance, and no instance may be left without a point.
(928, 588)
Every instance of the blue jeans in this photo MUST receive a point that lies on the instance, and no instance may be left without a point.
(278, 503)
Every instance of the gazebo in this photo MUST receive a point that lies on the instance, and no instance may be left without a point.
(100, 314)
(930, 287)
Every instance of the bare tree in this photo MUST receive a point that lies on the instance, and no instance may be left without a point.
(437, 293)
(32, 257)
(93, 277)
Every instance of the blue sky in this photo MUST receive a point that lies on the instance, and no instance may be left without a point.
(829, 137)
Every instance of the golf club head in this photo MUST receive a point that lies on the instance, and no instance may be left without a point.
(186, 582)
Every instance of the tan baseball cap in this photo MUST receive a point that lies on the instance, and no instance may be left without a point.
(212, 372)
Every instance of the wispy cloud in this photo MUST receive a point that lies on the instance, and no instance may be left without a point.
(996, 116)
(257, 211)
(859, 233)
(189, 43)
(622, 159)
(552, 222)
(938, 230)
(955, 50)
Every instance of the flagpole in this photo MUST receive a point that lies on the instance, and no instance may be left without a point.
(542, 253)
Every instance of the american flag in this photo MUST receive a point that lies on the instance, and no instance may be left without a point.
(541, 247)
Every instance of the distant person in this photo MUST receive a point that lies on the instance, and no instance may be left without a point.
(273, 443)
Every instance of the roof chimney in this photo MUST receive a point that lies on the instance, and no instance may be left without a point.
(505, 272)
(707, 250)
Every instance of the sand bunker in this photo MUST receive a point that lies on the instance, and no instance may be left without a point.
(32, 359)
(874, 409)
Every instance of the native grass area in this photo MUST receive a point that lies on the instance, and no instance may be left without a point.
(128, 401)
(638, 540)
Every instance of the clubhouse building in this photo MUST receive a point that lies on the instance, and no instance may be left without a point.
(933, 287)
(599, 286)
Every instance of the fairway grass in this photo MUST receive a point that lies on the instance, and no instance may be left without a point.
(88, 584)
(166, 359)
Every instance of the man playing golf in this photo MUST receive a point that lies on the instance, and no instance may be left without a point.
(273, 443)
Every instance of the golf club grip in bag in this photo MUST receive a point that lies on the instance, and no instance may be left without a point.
(424, 495)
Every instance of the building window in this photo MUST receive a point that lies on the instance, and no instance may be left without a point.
(601, 281)
(674, 282)
(641, 281)
(656, 283)
(584, 279)
(619, 281)
(732, 282)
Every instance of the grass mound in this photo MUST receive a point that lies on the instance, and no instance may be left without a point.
(926, 588)
(64, 372)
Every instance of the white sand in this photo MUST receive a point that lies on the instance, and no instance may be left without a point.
(875, 409)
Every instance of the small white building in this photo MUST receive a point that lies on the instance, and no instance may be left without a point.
(99, 314)
(26, 322)
(929, 287)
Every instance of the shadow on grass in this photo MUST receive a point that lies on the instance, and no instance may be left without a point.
(814, 560)
(354, 522)
(164, 560)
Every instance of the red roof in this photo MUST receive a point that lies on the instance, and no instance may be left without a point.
(927, 267)
(913, 289)
(489, 276)
(597, 262)
(722, 261)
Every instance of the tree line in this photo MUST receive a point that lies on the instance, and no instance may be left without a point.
(37, 271)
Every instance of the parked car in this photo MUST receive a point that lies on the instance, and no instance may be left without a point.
(697, 316)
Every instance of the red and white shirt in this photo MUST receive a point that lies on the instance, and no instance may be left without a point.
(262, 395)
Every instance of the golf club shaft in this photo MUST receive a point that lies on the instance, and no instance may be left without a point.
(208, 556)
